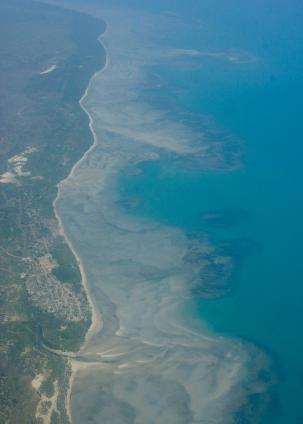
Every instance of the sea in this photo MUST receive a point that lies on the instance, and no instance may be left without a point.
(230, 81)
(263, 200)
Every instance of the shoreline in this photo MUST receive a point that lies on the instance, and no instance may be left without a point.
(96, 318)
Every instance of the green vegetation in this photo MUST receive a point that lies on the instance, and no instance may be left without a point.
(43, 133)
(66, 270)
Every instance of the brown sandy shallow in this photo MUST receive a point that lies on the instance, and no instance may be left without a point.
(96, 319)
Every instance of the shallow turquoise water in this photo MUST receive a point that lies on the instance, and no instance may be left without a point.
(261, 105)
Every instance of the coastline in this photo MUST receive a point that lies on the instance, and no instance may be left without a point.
(75, 366)
(234, 359)
(96, 318)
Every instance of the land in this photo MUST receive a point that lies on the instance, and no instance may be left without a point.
(48, 56)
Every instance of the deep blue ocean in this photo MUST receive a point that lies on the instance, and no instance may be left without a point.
(261, 105)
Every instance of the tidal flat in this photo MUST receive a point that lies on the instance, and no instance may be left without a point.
(148, 364)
